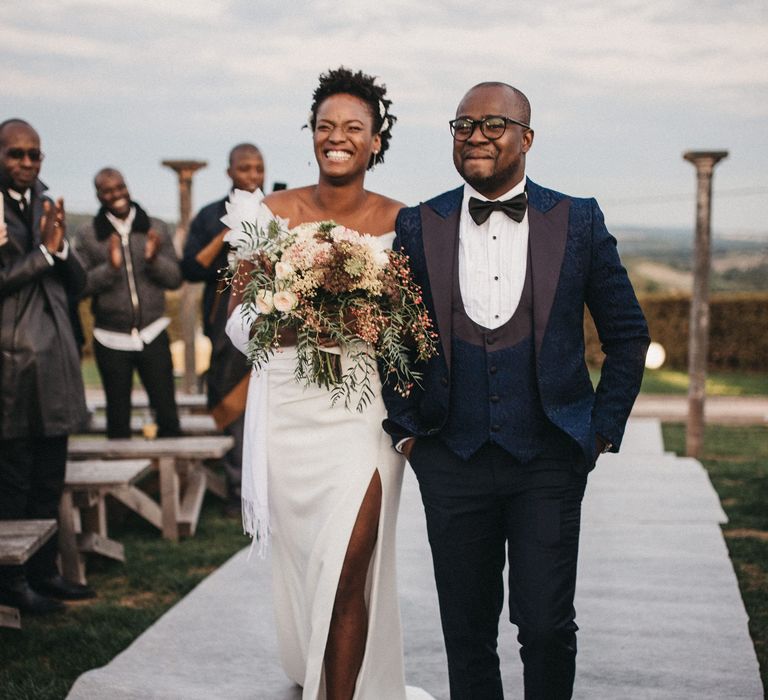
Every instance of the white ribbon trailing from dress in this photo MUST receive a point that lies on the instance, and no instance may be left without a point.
(254, 485)
(248, 207)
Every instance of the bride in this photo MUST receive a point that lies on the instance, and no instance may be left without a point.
(333, 478)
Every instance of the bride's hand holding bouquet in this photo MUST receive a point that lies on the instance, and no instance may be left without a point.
(328, 287)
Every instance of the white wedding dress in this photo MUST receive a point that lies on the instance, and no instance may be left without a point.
(319, 463)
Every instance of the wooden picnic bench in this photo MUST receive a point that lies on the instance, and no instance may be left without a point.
(191, 424)
(186, 403)
(19, 540)
(183, 476)
(83, 510)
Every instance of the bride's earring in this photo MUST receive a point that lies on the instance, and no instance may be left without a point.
(375, 160)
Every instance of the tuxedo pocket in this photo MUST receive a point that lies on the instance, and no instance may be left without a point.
(415, 448)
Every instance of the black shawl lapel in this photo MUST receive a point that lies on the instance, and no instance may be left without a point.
(548, 232)
(440, 234)
(103, 227)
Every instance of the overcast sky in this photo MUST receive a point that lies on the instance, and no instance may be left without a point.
(619, 90)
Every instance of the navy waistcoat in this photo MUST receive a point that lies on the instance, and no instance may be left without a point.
(494, 392)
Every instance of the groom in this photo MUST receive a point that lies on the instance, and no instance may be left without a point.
(507, 426)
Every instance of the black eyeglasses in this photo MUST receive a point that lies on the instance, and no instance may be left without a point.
(492, 127)
(34, 154)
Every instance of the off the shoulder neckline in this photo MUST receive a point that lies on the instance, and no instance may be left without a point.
(288, 223)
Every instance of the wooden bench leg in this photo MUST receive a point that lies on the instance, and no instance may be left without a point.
(169, 497)
(139, 502)
(93, 513)
(92, 542)
(72, 561)
(192, 502)
(9, 617)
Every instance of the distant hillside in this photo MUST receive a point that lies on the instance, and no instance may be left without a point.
(75, 221)
(642, 241)
(661, 259)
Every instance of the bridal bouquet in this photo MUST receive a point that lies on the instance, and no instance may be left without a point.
(333, 287)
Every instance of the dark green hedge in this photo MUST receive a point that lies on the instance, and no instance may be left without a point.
(738, 336)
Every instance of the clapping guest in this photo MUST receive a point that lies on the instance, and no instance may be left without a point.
(41, 389)
(130, 262)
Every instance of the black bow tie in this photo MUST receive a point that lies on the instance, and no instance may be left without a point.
(514, 208)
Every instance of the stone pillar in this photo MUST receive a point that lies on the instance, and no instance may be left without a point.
(185, 169)
(698, 331)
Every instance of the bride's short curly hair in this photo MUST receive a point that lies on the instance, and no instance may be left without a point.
(364, 86)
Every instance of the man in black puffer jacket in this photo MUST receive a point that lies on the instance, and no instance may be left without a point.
(130, 263)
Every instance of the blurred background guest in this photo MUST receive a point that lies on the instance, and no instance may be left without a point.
(130, 262)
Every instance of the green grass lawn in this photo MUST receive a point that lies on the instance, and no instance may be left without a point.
(668, 381)
(737, 461)
(43, 659)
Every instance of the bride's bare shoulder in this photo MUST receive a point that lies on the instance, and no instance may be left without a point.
(289, 204)
(386, 203)
(383, 213)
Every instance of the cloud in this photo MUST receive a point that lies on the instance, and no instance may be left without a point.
(589, 47)
(622, 84)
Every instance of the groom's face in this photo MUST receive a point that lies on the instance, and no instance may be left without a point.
(492, 167)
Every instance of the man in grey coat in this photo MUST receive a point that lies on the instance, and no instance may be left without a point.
(41, 389)
(130, 263)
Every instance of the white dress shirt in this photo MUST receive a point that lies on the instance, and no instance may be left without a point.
(493, 258)
(137, 338)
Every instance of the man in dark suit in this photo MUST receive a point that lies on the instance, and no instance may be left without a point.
(204, 260)
(41, 389)
(506, 425)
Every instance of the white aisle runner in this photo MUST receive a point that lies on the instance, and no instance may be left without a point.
(657, 603)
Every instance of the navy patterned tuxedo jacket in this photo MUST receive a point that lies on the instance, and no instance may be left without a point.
(574, 262)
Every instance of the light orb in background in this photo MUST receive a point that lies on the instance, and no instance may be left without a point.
(655, 356)
(202, 355)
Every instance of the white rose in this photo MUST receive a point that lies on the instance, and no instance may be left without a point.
(283, 270)
(284, 301)
(264, 301)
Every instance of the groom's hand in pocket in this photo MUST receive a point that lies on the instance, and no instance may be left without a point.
(408, 447)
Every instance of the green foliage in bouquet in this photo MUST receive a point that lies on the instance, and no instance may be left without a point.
(330, 287)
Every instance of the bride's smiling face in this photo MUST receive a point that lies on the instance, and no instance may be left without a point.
(343, 138)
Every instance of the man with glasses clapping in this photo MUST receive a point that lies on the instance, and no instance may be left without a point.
(41, 389)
